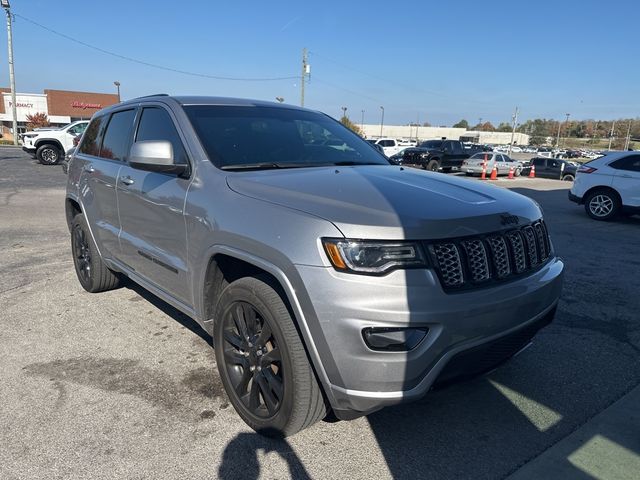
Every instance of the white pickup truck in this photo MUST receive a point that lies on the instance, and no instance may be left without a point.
(50, 145)
(391, 146)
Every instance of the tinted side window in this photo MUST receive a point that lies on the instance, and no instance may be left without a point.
(116, 137)
(156, 124)
(91, 140)
(631, 163)
(457, 148)
(77, 129)
(538, 162)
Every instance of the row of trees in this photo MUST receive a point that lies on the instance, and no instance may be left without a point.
(541, 129)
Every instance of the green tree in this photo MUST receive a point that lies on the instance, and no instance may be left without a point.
(462, 124)
(349, 124)
(504, 127)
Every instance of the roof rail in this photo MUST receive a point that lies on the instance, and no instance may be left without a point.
(154, 95)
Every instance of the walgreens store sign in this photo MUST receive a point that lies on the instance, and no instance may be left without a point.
(85, 106)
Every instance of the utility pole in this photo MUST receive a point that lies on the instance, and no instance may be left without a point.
(362, 122)
(566, 130)
(613, 127)
(628, 139)
(306, 72)
(417, 126)
(12, 78)
(558, 139)
(381, 120)
(117, 84)
(514, 120)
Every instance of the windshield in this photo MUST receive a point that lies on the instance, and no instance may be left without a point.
(482, 155)
(431, 144)
(237, 137)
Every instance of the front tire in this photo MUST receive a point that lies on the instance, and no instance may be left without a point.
(48, 154)
(262, 361)
(602, 205)
(568, 178)
(517, 172)
(93, 274)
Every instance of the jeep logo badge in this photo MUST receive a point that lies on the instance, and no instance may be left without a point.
(509, 220)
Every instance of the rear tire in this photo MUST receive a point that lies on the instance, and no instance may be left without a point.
(93, 274)
(568, 178)
(602, 205)
(48, 154)
(517, 172)
(262, 361)
(433, 166)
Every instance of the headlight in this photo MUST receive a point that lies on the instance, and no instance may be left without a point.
(372, 257)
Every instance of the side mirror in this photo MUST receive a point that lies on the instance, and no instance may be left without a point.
(155, 156)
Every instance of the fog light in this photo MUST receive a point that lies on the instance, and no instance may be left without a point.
(394, 339)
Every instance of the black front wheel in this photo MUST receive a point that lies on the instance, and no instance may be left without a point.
(432, 166)
(262, 362)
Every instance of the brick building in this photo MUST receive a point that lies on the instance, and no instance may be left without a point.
(61, 106)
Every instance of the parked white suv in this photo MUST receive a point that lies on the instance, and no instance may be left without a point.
(609, 185)
(50, 145)
(391, 146)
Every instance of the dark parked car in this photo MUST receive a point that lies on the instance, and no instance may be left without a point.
(444, 155)
(552, 168)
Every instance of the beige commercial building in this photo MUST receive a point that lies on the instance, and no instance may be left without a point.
(429, 133)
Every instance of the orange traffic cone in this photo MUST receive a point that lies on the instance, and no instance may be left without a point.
(484, 171)
(532, 172)
(511, 177)
(494, 173)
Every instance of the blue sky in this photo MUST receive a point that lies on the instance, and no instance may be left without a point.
(436, 61)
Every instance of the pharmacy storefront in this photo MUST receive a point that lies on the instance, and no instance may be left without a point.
(60, 106)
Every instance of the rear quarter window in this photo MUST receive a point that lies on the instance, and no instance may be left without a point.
(91, 140)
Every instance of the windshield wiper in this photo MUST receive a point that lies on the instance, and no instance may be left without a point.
(253, 166)
(348, 163)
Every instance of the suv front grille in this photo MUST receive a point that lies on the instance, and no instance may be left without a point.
(475, 261)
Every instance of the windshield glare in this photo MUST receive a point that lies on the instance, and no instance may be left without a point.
(431, 144)
(239, 135)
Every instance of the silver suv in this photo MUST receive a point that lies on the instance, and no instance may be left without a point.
(329, 279)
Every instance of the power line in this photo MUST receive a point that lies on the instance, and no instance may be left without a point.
(148, 64)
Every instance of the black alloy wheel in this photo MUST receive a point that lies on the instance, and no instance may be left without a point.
(81, 254)
(93, 274)
(262, 361)
(253, 361)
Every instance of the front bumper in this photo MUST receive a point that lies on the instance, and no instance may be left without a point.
(29, 150)
(363, 380)
(574, 198)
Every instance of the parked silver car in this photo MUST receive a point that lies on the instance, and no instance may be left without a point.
(328, 278)
(502, 162)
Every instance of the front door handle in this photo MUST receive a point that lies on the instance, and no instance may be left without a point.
(89, 168)
(127, 180)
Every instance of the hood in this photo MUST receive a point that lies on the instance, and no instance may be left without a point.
(389, 202)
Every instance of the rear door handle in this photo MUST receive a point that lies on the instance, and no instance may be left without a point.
(89, 168)
(127, 180)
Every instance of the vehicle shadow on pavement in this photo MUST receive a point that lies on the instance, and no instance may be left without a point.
(169, 310)
(240, 459)
(588, 358)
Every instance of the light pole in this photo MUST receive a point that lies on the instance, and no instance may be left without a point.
(280, 99)
(362, 122)
(514, 119)
(613, 128)
(566, 129)
(381, 120)
(558, 138)
(344, 112)
(12, 78)
(117, 84)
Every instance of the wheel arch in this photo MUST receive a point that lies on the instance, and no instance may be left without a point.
(49, 141)
(226, 264)
(71, 209)
(604, 188)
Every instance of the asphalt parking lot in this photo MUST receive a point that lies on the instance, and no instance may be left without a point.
(121, 385)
